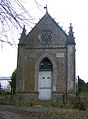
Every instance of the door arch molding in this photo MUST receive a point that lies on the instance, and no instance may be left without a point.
(54, 70)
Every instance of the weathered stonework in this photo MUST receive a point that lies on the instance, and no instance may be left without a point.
(60, 52)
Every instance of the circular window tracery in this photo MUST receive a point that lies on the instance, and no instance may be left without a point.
(46, 38)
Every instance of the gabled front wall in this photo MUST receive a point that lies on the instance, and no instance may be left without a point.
(32, 51)
(46, 24)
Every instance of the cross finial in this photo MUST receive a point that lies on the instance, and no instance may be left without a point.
(46, 8)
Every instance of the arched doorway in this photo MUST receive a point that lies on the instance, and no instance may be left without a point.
(45, 79)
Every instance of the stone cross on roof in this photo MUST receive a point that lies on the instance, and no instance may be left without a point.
(46, 8)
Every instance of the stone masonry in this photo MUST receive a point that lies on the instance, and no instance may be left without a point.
(60, 50)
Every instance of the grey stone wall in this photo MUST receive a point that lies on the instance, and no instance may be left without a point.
(29, 69)
(71, 68)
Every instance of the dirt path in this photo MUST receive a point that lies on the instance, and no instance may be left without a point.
(9, 112)
(6, 113)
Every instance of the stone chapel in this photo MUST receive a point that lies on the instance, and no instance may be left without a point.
(46, 61)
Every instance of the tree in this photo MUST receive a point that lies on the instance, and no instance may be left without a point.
(13, 83)
(82, 86)
(0, 86)
(13, 14)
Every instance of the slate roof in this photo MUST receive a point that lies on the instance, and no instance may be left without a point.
(70, 36)
(47, 15)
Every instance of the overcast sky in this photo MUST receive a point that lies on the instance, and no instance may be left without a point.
(64, 12)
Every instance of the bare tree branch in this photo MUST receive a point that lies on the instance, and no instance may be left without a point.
(38, 5)
(13, 14)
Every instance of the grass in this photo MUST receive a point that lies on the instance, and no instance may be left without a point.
(68, 106)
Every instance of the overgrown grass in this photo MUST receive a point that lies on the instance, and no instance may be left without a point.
(56, 113)
(80, 102)
(68, 106)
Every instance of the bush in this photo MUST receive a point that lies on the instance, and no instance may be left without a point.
(80, 102)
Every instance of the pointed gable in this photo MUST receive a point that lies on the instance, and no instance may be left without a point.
(46, 25)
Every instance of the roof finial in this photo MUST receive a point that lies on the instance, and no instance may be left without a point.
(46, 9)
(71, 30)
(23, 34)
(71, 35)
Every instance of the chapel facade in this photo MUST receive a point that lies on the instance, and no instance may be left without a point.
(46, 61)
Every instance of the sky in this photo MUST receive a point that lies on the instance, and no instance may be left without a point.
(64, 12)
